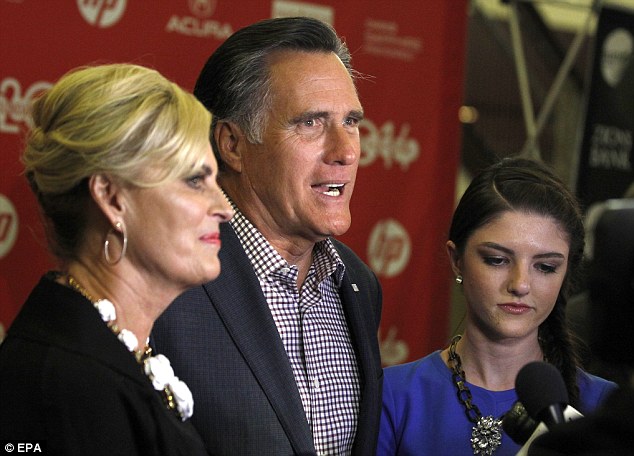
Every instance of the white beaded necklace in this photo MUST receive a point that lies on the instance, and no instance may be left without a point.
(175, 392)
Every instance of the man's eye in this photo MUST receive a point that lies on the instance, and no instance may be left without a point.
(309, 123)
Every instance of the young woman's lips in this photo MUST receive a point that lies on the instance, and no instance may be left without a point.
(515, 308)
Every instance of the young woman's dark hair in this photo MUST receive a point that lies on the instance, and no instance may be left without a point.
(517, 184)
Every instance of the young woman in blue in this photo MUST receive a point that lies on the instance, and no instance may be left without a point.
(515, 244)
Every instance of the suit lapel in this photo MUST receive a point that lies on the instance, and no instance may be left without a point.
(358, 332)
(241, 305)
(355, 298)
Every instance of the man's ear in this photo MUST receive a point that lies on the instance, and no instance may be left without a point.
(230, 141)
(454, 258)
(107, 195)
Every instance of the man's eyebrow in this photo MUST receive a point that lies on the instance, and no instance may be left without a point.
(357, 114)
(308, 115)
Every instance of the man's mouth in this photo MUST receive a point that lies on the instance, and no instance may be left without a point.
(330, 189)
(334, 190)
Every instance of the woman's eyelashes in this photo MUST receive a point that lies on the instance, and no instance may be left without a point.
(498, 261)
(495, 260)
(197, 180)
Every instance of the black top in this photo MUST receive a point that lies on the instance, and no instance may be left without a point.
(67, 380)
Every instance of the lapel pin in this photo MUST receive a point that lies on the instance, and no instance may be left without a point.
(355, 287)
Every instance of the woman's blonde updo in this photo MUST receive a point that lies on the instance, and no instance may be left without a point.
(124, 120)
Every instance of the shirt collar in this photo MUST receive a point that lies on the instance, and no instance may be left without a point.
(266, 260)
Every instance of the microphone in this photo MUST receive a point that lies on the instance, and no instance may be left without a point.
(541, 389)
(517, 424)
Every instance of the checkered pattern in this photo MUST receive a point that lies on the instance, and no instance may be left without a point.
(313, 328)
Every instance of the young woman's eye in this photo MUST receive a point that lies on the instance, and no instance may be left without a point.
(546, 268)
(494, 261)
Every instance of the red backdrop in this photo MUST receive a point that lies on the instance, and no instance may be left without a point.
(413, 53)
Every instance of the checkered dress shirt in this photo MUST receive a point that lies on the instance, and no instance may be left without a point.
(313, 328)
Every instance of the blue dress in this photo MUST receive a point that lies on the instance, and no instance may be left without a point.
(422, 415)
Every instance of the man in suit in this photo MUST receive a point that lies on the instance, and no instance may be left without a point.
(281, 351)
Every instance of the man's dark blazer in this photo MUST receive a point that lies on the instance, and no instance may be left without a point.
(223, 342)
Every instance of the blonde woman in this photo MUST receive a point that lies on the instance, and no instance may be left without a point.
(120, 162)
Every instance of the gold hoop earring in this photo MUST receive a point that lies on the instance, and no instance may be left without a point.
(120, 227)
(458, 279)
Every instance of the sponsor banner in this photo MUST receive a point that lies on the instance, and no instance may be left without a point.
(606, 160)
(411, 55)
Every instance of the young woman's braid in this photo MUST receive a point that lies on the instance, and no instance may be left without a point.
(560, 349)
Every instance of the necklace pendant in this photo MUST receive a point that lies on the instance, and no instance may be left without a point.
(486, 435)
